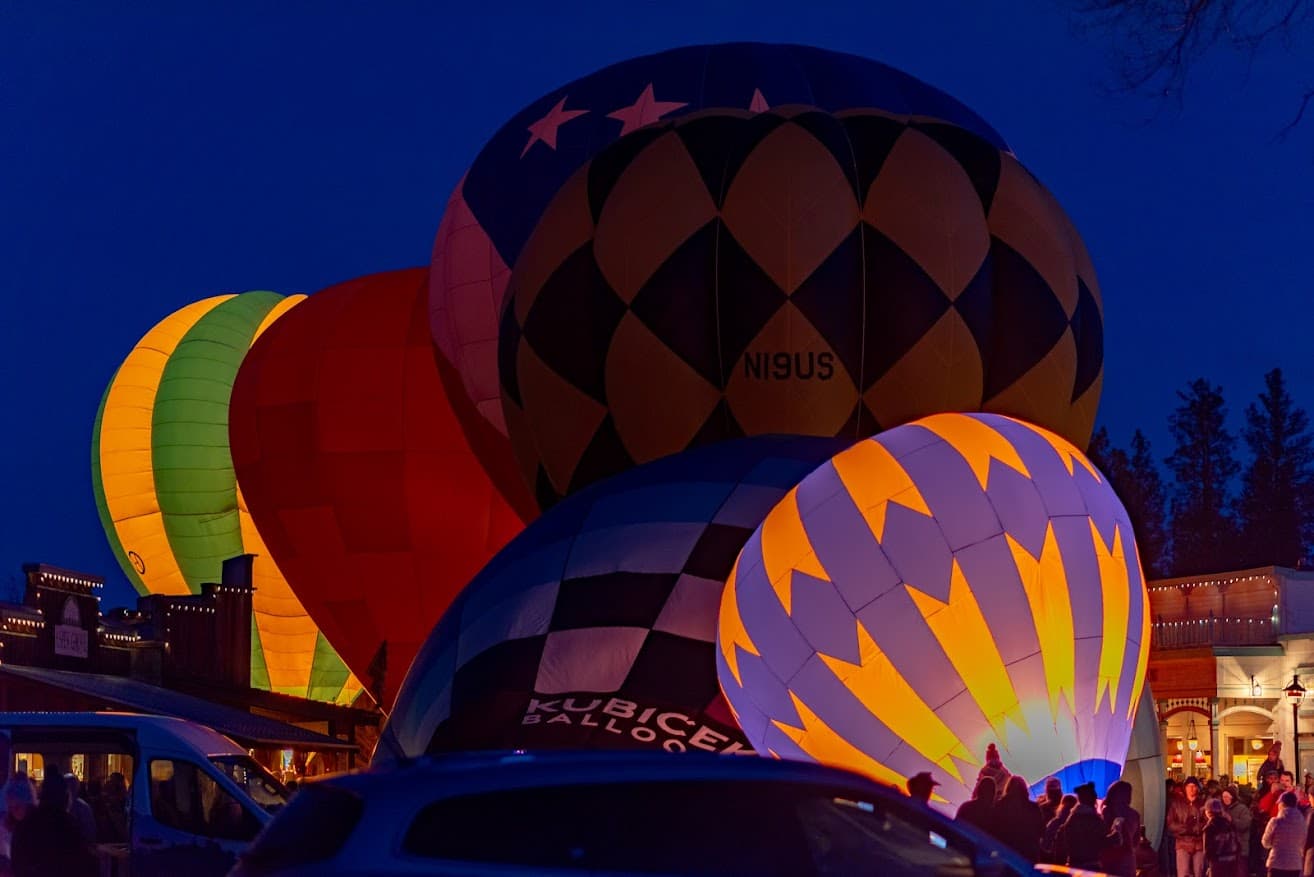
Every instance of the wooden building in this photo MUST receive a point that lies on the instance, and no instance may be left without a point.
(185, 656)
(1223, 649)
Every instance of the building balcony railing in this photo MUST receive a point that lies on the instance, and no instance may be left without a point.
(1212, 631)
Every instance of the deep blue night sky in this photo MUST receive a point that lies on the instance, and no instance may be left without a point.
(164, 152)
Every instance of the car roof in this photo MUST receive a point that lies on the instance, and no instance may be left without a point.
(473, 771)
(160, 731)
(395, 789)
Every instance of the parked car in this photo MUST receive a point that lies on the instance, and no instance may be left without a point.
(191, 798)
(631, 812)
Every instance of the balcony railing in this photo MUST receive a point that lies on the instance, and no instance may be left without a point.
(1212, 631)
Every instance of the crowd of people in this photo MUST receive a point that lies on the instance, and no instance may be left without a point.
(1211, 829)
(51, 829)
(1066, 829)
(1272, 825)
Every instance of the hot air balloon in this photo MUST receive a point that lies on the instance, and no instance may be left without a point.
(594, 628)
(960, 581)
(1146, 769)
(171, 505)
(357, 473)
(497, 204)
(791, 271)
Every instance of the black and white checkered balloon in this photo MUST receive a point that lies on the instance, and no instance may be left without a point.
(595, 628)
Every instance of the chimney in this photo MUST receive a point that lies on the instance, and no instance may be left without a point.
(234, 622)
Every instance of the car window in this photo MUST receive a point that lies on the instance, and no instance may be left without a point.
(253, 779)
(698, 827)
(186, 798)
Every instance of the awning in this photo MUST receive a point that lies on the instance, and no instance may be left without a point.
(130, 694)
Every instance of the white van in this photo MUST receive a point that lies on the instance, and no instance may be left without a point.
(169, 796)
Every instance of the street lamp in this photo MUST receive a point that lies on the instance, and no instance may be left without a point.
(1295, 693)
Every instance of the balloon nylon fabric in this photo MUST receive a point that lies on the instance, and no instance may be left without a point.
(497, 204)
(167, 493)
(356, 470)
(962, 580)
(790, 271)
(595, 626)
(123, 476)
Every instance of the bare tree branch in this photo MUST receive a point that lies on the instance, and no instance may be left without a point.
(1300, 114)
(1158, 42)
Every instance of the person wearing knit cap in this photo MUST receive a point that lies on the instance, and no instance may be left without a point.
(1239, 812)
(995, 770)
(1284, 838)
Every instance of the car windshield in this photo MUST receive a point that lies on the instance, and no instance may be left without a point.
(257, 782)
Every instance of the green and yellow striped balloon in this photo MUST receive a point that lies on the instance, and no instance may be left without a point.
(168, 495)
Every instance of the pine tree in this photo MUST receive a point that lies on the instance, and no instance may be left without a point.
(1203, 466)
(1276, 508)
(1104, 454)
(1136, 480)
(1146, 507)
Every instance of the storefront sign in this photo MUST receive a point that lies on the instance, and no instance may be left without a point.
(70, 638)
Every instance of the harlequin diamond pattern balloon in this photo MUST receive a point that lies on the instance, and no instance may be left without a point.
(498, 203)
(595, 627)
(961, 580)
(791, 271)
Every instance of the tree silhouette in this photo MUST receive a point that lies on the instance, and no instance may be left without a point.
(1276, 508)
(1146, 506)
(1158, 42)
(1106, 456)
(1136, 480)
(1203, 466)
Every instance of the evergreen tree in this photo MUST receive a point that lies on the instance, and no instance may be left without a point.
(1136, 480)
(1276, 508)
(1145, 505)
(1104, 455)
(1203, 466)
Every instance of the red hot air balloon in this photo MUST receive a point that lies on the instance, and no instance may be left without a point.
(357, 472)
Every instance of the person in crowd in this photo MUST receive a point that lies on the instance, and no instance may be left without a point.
(1272, 764)
(1222, 846)
(1049, 802)
(995, 770)
(1284, 838)
(980, 810)
(1122, 826)
(1186, 820)
(1286, 782)
(1049, 845)
(921, 786)
(1082, 836)
(112, 810)
(1018, 820)
(1147, 860)
(79, 809)
(1239, 813)
(49, 841)
(1308, 852)
(1258, 820)
(20, 799)
(1167, 845)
